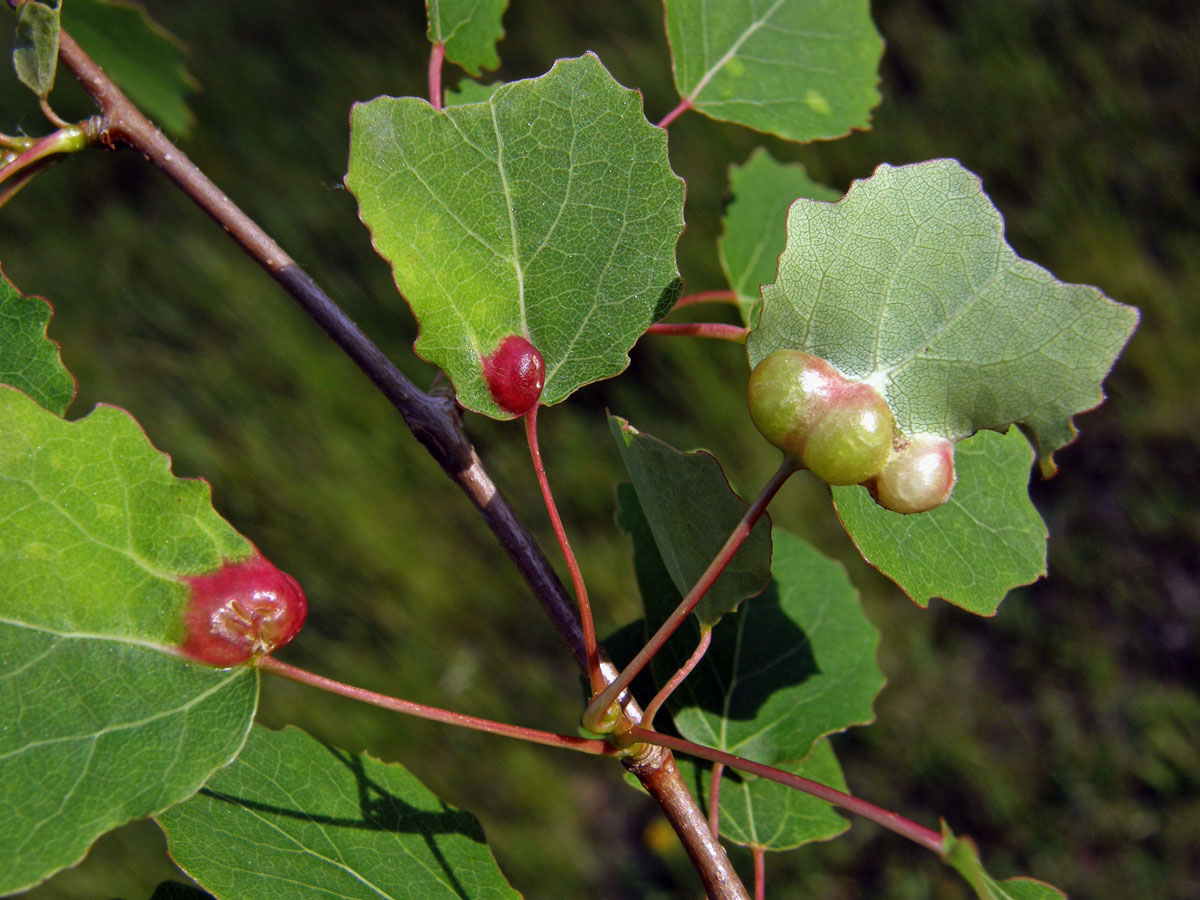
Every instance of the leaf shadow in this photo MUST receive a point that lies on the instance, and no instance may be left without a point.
(380, 810)
(730, 681)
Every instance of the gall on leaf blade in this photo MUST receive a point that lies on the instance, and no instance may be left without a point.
(515, 374)
(907, 283)
(244, 609)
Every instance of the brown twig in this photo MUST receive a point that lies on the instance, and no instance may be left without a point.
(433, 420)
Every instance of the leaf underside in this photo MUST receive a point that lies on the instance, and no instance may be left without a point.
(907, 283)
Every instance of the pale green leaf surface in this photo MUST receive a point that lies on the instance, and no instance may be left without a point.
(95, 531)
(96, 732)
(801, 69)
(469, 30)
(962, 855)
(907, 283)
(35, 47)
(754, 227)
(790, 666)
(29, 360)
(691, 511)
(758, 812)
(294, 818)
(973, 549)
(145, 60)
(549, 212)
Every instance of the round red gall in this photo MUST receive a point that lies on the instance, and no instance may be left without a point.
(515, 375)
(242, 610)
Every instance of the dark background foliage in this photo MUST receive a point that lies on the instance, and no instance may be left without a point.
(1064, 734)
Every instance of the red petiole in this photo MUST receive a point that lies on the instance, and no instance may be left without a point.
(595, 677)
(435, 714)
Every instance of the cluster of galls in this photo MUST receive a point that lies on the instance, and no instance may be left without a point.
(843, 432)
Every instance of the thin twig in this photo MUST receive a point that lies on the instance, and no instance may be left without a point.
(760, 872)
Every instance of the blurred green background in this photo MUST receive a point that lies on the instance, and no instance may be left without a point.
(1064, 734)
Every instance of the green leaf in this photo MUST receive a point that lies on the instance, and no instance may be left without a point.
(691, 511)
(97, 531)
(468, 91)
(97, 732)
(35, 48)
(907, 283)
(549, 212)
(29, 360)
(468, 29)
(317, 821)
(758, 812)
(790, 666)
(801, 69)
(755, 222)
(962, 855)
(144, 59)
(972, 550)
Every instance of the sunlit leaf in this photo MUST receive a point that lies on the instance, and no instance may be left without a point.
(294, 818)
(972, 550)
(691, 511)
(548, 212)
(98, 731)
(907, 283)
(97, 531)
(802, 69)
